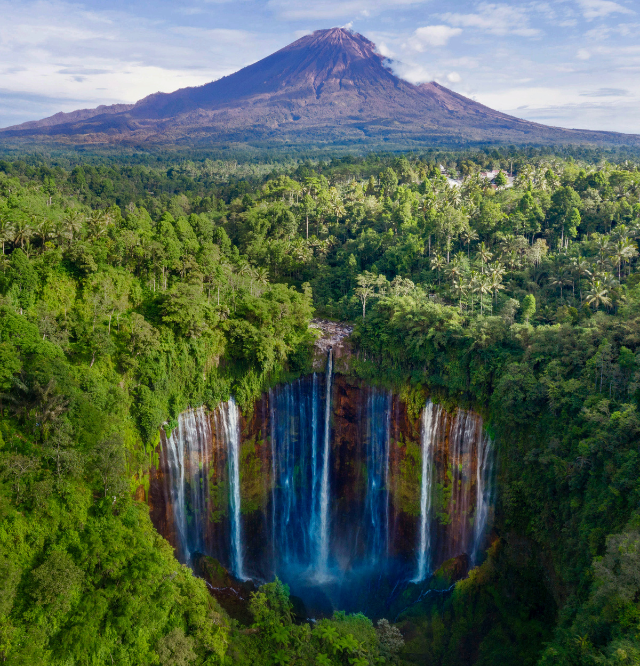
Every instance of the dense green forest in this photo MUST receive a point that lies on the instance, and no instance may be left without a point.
(499, 279)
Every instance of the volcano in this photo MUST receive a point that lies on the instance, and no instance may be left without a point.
(329, 88)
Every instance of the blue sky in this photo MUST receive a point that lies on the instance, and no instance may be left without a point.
(572, 63)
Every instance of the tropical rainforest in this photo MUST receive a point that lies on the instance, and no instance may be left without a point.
(503, 280)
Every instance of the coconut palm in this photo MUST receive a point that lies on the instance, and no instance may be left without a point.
(44, 229)
(484, 254)
(454, 196)
(437, 264)
(336, 205)
(28, 249)
(559, 279)
(482, 286)
(455, 269)
(468, 234)
(496, 271)
(621, 251)
(598, 295)
(601, 244)
(459, 289)
(22, 231)
(581, 268)
(99, 222)
(73, 220)
(473, 286)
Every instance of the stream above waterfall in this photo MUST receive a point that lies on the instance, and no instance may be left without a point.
(330, 485)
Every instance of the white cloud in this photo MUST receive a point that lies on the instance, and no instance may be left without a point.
(412, 72)
(593, 9)
(384, 50)
(432, 36)
(454, 77)
(583, 54)
(495, 19)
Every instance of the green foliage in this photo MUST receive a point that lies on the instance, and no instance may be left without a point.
(111, 323)
(528, 307)
(130, 291)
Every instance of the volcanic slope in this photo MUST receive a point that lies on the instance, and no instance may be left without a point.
(327, 88)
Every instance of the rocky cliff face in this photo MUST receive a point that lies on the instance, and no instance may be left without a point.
(373, 492)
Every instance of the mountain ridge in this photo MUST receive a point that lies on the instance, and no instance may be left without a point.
(329, 87)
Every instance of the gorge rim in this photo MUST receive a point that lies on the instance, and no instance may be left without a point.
(331, 485)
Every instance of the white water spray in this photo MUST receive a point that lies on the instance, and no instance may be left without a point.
(231, 424)
(430, 418)
(323, 532)
(484, 494)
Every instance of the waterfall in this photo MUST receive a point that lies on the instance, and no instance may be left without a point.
(449, 448)
(272, 440)
(465, 440)
(176, 490)
(295, 503)
(315, 495)
(188, 457)
(231, 423)
(377, 435)
(484, 495)
(430, 422)
(323, 531)
(328, 498)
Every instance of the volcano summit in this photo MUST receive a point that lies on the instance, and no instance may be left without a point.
(328, 88)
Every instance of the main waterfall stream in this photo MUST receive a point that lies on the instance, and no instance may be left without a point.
(329, 485)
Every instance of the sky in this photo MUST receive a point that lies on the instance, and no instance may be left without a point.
(570, 63)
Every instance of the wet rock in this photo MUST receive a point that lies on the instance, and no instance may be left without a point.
(232, 594)
(333, 336)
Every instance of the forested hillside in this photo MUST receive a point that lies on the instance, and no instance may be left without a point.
(131, 292)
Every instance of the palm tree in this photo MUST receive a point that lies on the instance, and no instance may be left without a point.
(473, 285)
(559, 279)
(336, 204)
(622, 250)
(610, 282)
(507, 243)
(598, 295)
(44, 229)
(481, 284)
(484, 254)
(73, 220)
(459, 289)
(99, 222)
(601, 244)
(22, 231)
(468, 234)
(28, 249)
(495, 277)
(455, 269)
(454, 196)
(437, 263)
(581, 269)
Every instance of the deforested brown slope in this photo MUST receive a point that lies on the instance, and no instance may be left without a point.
(328, 87)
